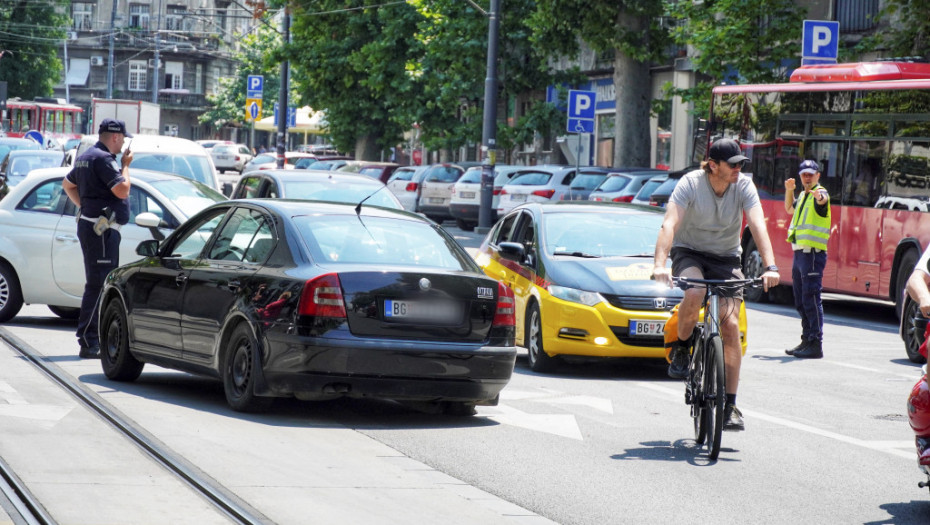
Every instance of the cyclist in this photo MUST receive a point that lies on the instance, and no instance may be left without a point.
(701, 233)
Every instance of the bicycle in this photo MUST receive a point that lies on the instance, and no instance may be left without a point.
(705, 384)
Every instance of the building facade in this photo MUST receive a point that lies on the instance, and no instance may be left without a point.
(171, 52)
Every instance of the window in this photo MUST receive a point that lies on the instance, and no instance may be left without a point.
(45, 198)
(198, 78)
(191, 243)
(174, 20)
(138, 71)
(174, 75)
(139, 16)
(240, 232)
(140, 201)
(83, 16)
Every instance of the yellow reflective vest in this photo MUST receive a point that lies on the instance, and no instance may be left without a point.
(808, 228)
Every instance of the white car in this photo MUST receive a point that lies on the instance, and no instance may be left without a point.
(40, 256)
(536, 184)
(465, 204)
(230, 157)
(405, 184)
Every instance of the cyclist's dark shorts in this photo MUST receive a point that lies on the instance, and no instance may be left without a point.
(711, 266)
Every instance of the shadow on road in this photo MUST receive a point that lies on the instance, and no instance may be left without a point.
(682, 450)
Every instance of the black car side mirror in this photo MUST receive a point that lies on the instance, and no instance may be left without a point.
(513, 251)
(147, 248)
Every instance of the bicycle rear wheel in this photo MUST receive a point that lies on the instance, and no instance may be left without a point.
(696, 389)
(714, 389)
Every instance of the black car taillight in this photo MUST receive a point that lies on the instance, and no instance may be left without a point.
(322, 297)
(505, 314)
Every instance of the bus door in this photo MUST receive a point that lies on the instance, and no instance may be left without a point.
(857, 235)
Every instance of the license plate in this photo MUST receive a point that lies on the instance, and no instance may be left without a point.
(467, 195)
(639, 328)
(518, 198)
(422, 311)
(222, 157)
(435, 200)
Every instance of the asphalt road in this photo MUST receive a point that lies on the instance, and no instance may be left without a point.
(827, 441)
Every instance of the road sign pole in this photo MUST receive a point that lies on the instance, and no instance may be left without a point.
(489, 131)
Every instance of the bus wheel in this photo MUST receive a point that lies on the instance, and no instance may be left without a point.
(908, 261)
(752, 268)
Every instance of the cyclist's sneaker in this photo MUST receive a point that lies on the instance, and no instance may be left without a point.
(678, 368)
(801, 346)
(733, 419)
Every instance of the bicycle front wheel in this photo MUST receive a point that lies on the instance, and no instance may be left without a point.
(714, 394)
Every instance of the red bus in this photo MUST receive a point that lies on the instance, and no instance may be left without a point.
(49, 117)
(868, 126)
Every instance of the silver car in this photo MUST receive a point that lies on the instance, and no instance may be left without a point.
(623, 185)
(40, 256)
(405, 184)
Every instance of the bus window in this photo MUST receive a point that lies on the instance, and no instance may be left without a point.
(864, 174)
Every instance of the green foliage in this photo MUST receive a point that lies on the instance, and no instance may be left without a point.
(32, 33)
(909, 32)
(735, 41)
(255, 58)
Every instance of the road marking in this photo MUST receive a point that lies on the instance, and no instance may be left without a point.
(914, 376)
(10, 395)
(888, 447)
(558, 424)
(597, 403)
(17, 406)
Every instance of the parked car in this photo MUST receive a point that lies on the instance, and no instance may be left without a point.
(643, 195)
(405, 184)
(269, 161)
(376, 170)
(465, 202)
(580, 272)
(208, 144)
(40, 256)
(230, 157)
(166, 154)
(322, 162)
(661, 194)
(8, 144)
(330, 186)
(622, 185)
(329, 301)
(18, 163)
(544, 183)
(588, 178)
(436, 191)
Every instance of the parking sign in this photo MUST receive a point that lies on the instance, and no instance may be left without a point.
(581, 111)
(253, 86)
(820, 42)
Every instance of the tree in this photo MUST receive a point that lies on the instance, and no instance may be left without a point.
(227, 107)
(736, 41)
(30, 34)
(907, 32)
(630, 30)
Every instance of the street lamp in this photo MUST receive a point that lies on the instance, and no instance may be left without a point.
(489, 132)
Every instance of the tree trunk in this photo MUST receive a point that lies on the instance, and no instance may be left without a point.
(633, 85)
(366, 148)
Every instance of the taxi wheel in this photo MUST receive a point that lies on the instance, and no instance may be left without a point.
(540, 361)
(239, 372)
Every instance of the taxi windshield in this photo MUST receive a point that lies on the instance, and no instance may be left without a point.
(601, 234)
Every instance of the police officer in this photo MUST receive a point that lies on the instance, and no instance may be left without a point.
(99, 187)
(808, 234)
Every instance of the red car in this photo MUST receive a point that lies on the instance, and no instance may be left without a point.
(918, 412)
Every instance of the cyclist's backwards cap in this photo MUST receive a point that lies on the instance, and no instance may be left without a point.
(726, 150)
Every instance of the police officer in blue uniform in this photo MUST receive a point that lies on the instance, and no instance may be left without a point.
(99, 186)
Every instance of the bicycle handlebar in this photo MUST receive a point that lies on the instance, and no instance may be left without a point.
(685, 283)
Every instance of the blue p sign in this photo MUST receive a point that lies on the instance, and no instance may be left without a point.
(253, 86)
(821, 39)
(581, 111)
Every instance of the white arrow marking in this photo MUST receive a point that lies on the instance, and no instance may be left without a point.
(10, 395)
(598, 403)
(38, 412)
(557, 424)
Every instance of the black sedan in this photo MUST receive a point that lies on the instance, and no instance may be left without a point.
(313, 300)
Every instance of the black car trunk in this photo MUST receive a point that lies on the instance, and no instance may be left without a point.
(419, 305)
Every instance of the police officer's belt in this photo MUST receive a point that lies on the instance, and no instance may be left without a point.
(111, 225)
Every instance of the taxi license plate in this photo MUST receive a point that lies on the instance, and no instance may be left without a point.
(640, 328)
(518, 197)
(468, 195)
(421, 311)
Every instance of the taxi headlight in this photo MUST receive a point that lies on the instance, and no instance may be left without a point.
(575, 295)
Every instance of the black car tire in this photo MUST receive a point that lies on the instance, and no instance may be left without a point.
(459, 409)
(752, 269)
(11, 297)
(539, 360)
(65, 312)
(115, 357)
(464, 225)
(239, 365)
(911, 332)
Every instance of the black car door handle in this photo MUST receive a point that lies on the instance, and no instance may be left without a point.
(233, 285)
(180, 279)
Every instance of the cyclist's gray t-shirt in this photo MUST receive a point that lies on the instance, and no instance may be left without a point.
(709, 223)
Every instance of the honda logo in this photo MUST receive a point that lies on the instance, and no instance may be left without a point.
(659, 303)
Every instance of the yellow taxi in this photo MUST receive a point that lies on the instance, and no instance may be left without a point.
(580, 273)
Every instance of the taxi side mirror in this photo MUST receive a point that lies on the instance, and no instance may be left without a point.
(513, 251)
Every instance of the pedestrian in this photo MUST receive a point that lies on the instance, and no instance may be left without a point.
(701, 233)
(808, 234)
(918, 288)
(99, 187)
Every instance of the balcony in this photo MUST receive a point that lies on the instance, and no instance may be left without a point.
(183, 101)
(856, 16)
